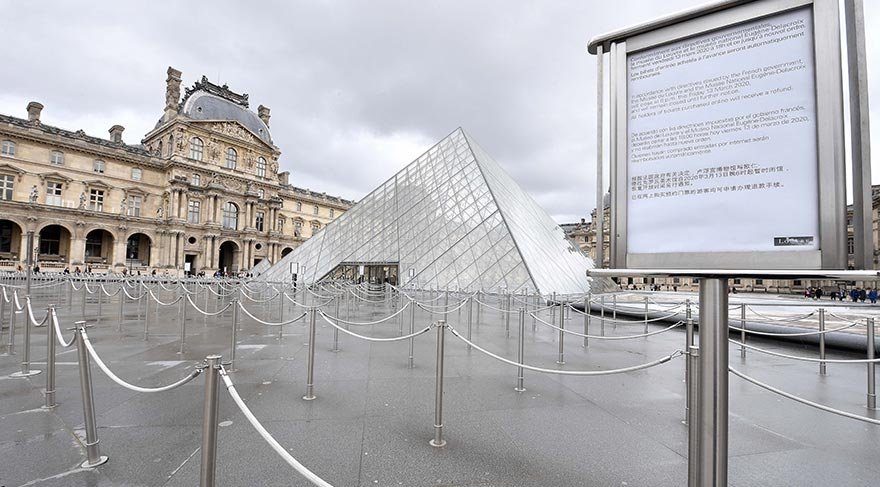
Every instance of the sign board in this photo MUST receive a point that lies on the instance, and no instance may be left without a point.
(727, 141)
(294, 268)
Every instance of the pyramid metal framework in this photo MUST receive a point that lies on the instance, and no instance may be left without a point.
(451, 219)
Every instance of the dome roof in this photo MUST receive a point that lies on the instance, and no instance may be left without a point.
(202, 105)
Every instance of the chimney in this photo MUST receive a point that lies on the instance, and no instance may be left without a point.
(263, 113)
(172, 93)
(116, 134)
(34, 108)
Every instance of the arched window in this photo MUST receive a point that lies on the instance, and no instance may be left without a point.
(160, 149)
(261, 167)
(57, 158)
(231, 158)
(196, 148)
(230, 216)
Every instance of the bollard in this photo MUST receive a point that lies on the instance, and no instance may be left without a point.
(93, 450)
(688, 343)
(209, 422)
(50, 361)
(336, 330)
(520, 351)
(822, 368)
(310, 385)
(412, 327)
(181, 316)
(561, 359)
(507, 304)
(234, 345)
(10, 344)
(693, 418)
(438, 441)
(742, 333)
(121, 307)
(646, 316)
(713, 390)
(872, 396)
(470, 308)
(586, 321)
(26, 354)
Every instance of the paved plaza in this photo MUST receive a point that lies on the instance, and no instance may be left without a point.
(374, 415)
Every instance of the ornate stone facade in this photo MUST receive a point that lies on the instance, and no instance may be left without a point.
(201, 192)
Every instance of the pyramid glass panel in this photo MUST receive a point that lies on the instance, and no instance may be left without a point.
(451, 219)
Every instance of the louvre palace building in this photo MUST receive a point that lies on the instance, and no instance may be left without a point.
(201, 192)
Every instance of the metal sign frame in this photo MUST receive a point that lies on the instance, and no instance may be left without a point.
(832, 253)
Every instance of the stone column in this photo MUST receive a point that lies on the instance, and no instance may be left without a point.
(184, 205)
(216, 209)
(77, 251)
(172, 212)
(209, 209)
(247, 213)
(119, 248)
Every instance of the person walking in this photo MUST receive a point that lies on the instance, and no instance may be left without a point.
(863, 295)
(872, 296)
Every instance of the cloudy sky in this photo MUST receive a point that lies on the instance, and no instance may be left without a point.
(357, 89)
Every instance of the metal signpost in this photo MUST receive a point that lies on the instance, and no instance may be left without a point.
(717, 114)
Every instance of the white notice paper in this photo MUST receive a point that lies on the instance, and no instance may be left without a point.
(721, 142)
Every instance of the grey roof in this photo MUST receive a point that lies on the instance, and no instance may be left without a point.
(77, 135)
(206, 106)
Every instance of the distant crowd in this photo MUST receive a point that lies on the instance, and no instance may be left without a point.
(856, 294)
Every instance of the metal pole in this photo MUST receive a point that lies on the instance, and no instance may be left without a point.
(336, 330)
(146, 298)
(310, 381)
(412, 327)
(688, 368)
(479, 293)
(822, 365)
(181, 315)
(714, 394)
(561, 359)
(553, 307)
(209, 422)
(521, 351)
(438, 440)
(26, 355)
(30, 262)
(600, 140)
(742, 333)
(614, 308)
(234, 345)
(646, 316)
(602, 314)
(85, 291)
(470, 308)
(93, 450)
(507, 314)
(281, 316)
(50, 361)
(121, 307)
(693, 416)
(586, 321)
(872, 395)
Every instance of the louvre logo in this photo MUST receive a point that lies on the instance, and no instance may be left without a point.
(792, 241)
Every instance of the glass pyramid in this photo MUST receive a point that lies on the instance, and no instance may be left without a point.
(451, 219)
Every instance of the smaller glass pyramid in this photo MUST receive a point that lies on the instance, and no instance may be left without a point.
(451, 219)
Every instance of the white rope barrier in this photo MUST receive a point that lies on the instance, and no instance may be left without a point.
(270, 323)
(374, 339)
(806, 359)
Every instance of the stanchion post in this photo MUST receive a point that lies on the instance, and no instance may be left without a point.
(586, 321)
(121, 306)
(646, 316)
(336, 330)
(561, 358)
(872, 395)
(521, 351)
(822, 365)
(693, 416)
(602, 315)
(714, 394)
(438, 441)
(688, 369)
(553, 307)
(507, 304)
(26, 354)
(470, 309)
(10, 344)
(234, 344)
(181, 315)
(742, 333)
(208, 468)
(50, 360)
(412, 327)
(84, 293)
(479, 307)
(93, 450)
(310, 380)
